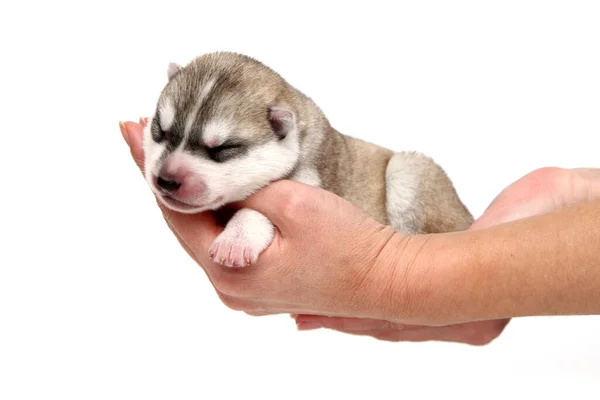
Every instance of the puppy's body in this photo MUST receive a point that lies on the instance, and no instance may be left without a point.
(226, 125)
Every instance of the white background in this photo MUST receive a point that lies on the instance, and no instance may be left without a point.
(98, 301)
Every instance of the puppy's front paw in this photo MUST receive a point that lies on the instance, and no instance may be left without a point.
(246, 235)
(231, 250)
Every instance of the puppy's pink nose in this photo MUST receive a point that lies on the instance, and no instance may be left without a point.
(179, 182)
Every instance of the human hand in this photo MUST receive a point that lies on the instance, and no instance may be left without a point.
(344, 273)
(538, 192)
(343, 277)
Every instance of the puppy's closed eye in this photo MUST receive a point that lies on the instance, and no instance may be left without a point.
(162, 136)
(224, 152)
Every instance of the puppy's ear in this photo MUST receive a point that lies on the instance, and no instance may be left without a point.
(173, 70)
(282, 121)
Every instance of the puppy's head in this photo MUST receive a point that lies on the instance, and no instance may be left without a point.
(224, 127)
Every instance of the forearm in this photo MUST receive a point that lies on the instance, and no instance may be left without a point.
(544, 265)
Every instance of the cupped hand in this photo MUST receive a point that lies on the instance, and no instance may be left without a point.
(536, 193)
(325, 258)
(330, 265)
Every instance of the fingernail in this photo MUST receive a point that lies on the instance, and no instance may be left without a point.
(124, 132)
(308, 326)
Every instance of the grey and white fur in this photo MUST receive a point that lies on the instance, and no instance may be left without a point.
(226, 125)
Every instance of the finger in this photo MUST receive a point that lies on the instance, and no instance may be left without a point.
(133, 135)
(417, 335)
(477, 333)
(201, 261)
(347, 324)
(480, 332)
(185, 246)
(255, 306)
(262, 313)
(590, 183)
(250, 306)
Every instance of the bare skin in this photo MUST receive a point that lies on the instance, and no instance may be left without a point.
(533, 252)
(542, 191)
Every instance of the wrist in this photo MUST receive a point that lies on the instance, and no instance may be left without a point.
(423, 274)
